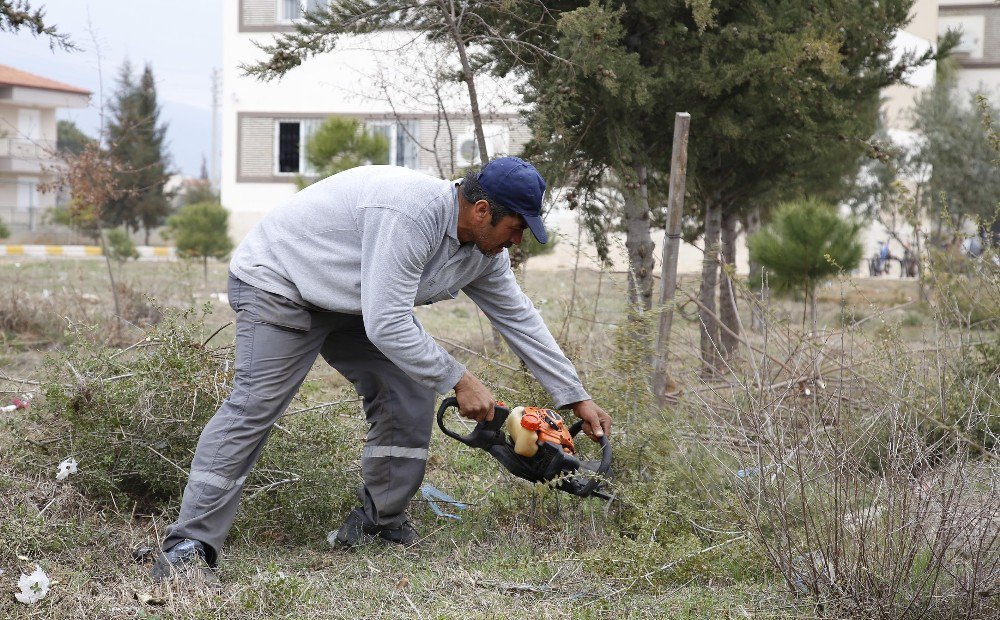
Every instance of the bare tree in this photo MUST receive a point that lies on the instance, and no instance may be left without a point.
(459, 22)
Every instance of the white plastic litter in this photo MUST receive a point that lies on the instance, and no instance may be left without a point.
(66, 468)
(21, 402)
(34, 587)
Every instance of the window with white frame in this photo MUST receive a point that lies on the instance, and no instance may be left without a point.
(467, 147)
(290, 137)
(290, 11)
(972, 27)
(402, 138)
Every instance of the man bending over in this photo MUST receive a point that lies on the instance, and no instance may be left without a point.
(335, 271)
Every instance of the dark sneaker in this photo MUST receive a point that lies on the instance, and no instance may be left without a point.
(353, 532)
(357, 530)
(186, 557)
(405, 534)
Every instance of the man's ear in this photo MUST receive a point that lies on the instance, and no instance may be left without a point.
(481, 209)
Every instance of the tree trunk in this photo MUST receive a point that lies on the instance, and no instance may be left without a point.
(111, 275)
(812, 310)
(455, 27)
(727, 292)
(709, 288)
(147, 235)
(204, 264)
(918, 256)
(639, 243)
(751, 225)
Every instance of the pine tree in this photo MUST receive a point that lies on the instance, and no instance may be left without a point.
(70, 139)
(136, 140)
(201, 230)
(783, 95)
(339, 144)
(806, 244)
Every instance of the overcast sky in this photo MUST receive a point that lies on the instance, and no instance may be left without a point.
(181, 39)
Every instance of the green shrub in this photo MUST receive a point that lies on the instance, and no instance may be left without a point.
(131, 417)
(307, 478)
(806, 244)
(342, 143)
(201, 230)
(120, 246)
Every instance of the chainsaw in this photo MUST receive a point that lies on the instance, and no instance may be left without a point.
(534, 444)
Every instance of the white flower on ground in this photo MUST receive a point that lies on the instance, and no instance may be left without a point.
(66, 468)
(34, 587)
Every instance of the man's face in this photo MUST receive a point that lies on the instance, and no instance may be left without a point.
(491, 240)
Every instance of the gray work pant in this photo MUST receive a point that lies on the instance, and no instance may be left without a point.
(277, 342)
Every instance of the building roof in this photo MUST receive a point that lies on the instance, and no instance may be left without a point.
(9, 76)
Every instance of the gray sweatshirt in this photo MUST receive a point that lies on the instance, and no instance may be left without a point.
(379, 240)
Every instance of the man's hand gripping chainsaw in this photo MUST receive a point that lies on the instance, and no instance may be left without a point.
(534, 444)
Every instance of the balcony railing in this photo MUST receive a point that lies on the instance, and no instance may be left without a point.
(19, 148)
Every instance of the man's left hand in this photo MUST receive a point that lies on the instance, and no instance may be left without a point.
(596, 421)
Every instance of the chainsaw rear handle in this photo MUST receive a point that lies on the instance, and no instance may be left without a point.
(485, 432)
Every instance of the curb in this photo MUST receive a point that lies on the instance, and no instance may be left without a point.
(146, 252)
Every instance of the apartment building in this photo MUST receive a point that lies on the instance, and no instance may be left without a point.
(28, 105)
(978, 53)
(386, 81)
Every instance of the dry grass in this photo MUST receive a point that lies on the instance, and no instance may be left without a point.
(517, 552)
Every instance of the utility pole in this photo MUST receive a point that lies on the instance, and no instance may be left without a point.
(213, 165)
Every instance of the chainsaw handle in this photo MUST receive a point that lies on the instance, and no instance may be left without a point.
(605, 466)
(485, 431)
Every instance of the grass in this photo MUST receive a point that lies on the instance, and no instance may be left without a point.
(665, 549)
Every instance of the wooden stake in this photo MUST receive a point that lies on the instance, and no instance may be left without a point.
(662, 382)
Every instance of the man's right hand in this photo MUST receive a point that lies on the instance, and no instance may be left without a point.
(475, 401)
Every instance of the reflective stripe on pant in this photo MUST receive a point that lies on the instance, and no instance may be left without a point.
(400, 413)
(275, 348)
(276, 344)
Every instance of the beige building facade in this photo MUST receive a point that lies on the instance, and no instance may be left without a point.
(28, 105)
(384, 81)
(978, 52)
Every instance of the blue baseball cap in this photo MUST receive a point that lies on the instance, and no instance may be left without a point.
(514, 183)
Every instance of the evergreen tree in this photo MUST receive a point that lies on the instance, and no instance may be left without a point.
(201, 230)
(964, 181)
(136, 140)
(120, 247)
(69, 138)
(339, 144)
(783, 95)
(806, 244)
